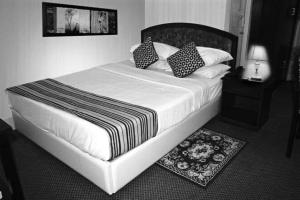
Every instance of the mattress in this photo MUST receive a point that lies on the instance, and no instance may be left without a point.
(172, 98)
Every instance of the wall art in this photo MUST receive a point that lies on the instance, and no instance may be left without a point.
(71, 20)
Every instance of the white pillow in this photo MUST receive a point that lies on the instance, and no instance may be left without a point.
(212, 56)
(163, 50)
(212, 71)
(160, 65)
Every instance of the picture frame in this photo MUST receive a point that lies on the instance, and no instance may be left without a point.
(72, 20)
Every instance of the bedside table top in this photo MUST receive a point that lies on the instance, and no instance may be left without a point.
(235, 85)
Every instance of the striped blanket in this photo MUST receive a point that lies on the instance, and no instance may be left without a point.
(128, 125)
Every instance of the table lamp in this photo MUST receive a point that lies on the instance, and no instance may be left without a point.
(258, 68)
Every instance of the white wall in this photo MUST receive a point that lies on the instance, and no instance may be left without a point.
(215, 13)
(27, 56)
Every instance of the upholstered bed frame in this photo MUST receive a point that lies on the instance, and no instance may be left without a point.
(112, 175)
(179, 34)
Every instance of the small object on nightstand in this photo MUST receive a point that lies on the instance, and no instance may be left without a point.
(239, 72)
(246, 103)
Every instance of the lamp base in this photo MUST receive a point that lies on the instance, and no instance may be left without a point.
(255, 79)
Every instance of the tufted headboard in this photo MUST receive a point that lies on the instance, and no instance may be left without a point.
(179, 34)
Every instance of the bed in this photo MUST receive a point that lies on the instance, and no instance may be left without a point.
(111, 174)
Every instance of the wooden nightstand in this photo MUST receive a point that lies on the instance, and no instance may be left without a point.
(246, 103)
(14, 191)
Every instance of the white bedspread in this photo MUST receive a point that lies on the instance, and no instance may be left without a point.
(172, 98)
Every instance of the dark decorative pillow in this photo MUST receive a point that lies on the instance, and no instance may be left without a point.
(185, 61)
(145, 54)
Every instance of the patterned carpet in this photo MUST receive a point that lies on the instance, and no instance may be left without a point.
(201, 156)
(259, 171)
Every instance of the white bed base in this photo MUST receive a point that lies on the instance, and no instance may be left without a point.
(111, 176)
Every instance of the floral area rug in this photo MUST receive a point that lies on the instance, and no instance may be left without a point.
(202, 155)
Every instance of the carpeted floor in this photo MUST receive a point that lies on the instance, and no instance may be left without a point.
(259, 171)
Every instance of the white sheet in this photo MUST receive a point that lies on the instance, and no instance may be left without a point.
(172, 98)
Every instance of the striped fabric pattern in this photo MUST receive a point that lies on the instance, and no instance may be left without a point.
(128, 125)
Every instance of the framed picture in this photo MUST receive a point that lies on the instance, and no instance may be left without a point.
(71, 20)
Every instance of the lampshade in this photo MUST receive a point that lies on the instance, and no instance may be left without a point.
(258, 52)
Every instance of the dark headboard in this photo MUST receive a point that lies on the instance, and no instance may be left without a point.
(179, 34)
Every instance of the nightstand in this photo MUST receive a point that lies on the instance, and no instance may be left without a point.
(9, 184)
(246, 103)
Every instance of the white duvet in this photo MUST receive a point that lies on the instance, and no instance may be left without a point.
(172, 98)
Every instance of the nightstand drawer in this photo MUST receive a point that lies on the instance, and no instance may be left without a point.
(243, 88)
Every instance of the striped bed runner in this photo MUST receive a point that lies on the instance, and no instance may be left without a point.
(128, 125)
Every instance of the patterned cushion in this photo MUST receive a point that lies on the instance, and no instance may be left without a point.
(145, 54)
(185, 61)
